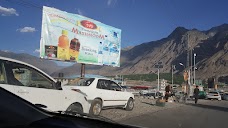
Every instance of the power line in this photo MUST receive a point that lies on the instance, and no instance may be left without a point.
(32, 5)
(25, 4)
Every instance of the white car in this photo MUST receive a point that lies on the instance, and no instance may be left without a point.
(102, 92)
(35, 86)
(214, 95)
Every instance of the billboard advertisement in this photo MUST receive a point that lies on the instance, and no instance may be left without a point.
(71, 37)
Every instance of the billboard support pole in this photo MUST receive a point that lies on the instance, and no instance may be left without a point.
(83, 70)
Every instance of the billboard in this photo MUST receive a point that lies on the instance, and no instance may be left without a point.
(71, 37)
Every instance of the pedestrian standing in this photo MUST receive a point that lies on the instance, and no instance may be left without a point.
(196, 93)
(167, 91)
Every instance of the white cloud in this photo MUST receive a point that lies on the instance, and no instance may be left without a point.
(111, 3)
(27, 29)
(8, 11)
(36, 51)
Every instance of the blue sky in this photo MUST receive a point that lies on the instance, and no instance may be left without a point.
(140, 20)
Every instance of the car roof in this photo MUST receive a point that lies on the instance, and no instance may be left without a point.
(98, 78)
(20, 62)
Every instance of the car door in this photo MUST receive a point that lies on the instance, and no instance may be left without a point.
(107, 95)
(33, 86)
(121, 97)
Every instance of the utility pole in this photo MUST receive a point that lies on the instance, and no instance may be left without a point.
(187, 62)
(172, 74)
(187, 66)
(191, 71)
(158, 79)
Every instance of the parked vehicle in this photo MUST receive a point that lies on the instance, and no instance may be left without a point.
(202, 94)
(35, 86)
(225, 96)
(102, 92)
(150, 93)
(174, 87)
(214, 95)
(179, 93)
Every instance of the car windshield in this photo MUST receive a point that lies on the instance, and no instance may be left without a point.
(148, 63)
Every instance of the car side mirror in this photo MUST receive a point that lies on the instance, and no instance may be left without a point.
(58, 85)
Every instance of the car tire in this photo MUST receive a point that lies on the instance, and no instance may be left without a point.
(96, 107)
(75, 108)
(130, 105)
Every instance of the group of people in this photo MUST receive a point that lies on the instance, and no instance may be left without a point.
(169, 92)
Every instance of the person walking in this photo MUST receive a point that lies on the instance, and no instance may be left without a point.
(196, 94)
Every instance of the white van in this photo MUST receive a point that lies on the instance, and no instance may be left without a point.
(37, 87)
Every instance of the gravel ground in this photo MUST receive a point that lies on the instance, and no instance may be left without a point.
(142, 106)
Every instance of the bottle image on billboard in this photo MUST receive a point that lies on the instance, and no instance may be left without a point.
(100, 53)
(114, 52)
(105, 58)
(63, 46)
(74, 49)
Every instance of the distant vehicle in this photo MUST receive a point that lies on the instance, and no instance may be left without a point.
(178, 93)
(174, 87)
(149, 93)
(202, 94)
(225, 96)
(214, 95)
(35, 86)
(102, 93)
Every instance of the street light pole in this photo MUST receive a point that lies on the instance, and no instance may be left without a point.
(194, 69)
(191, 72)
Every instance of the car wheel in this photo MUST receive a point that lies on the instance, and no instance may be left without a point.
(130, 105)
(96, 107)
(75, 108)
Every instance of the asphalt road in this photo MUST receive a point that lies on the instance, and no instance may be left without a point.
(205, 114)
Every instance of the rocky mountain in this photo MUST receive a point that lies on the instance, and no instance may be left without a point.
(45, 65)
(210, 46)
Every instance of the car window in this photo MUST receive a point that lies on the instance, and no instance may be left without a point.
(21, 75)
(103, 84)
(2, 77)
(115, 86)
(81, 82)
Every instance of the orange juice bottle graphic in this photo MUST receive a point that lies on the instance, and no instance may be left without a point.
(74, 49)
(63, 46)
